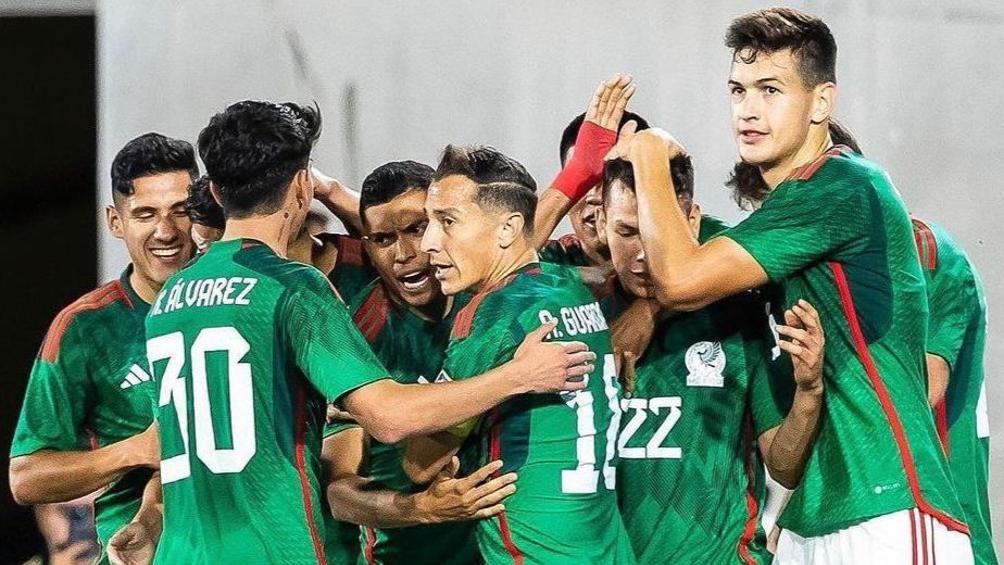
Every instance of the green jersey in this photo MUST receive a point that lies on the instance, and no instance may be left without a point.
(957, 333)
(837, 234)
(689, 483)
(247, 349)
(412, 349)
(352, 270)
(89, 388)
(562, 446)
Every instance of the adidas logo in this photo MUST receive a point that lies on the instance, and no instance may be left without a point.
(135, 376)
(442, 377)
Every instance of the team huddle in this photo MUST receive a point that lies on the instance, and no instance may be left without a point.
(446, 383)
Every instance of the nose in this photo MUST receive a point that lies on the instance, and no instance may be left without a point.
(404, 249)
(748, 107)
(432, 239)
(640, 256)
(167, 229)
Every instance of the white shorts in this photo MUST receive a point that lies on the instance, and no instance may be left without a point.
(906, 537)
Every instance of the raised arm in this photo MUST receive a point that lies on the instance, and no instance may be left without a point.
(342, 201)
(786, 448)
(686, 274)
(47, 475)
(584, 169)
(538, 367)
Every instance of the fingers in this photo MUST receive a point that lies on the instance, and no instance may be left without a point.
(450, 470)
(808, 316)
(540, 333)
(792, 349)
(574, 383)
(571, 347)
(481, 475)
(578, 371)
(618, 105)
(791, 319)
(594, 103)
(492, 492)
(489, 512)
(581, 358)
(628, 130)
(795, 334)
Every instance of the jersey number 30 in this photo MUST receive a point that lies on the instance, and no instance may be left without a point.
(171, 347)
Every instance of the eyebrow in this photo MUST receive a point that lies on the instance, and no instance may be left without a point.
(759, 82)
(446, 211)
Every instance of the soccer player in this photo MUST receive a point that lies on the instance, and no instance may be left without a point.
(85, 423)
(248, 349)
(406, 319)
(833, 231)
(481, 209)
(956, 337)
(689, 483)
(584, 247)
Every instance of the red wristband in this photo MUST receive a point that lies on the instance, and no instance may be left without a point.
(585, 169)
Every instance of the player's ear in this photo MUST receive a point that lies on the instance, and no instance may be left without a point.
(114, 221)
(216, 193)
(824, 100)
(694, 218)
(303, 185)
(510, 229)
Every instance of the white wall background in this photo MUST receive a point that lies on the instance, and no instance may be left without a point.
(919, 85)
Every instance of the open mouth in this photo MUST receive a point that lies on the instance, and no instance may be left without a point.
(167, 253)
(417, 280)
(441, 270)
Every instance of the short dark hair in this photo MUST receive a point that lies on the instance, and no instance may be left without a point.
(150, 154)
(747, 184)
(572, 131)
(202, 207)
(252, 151)
(681, 169)
(390, 180)
(777, 29)
(503, 183)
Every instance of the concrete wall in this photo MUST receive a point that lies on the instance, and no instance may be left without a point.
(395, 79)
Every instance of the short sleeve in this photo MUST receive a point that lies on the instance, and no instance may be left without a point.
(805, 222)
(338, 426)
(56, 402)
(950, 300)
(326, 345)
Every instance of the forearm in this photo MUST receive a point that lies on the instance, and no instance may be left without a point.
(151, 509)
(352, 499)
(552, 206)
(792, 443)
(59, 476)
(344, 204)
(422, 410)
(665, 233)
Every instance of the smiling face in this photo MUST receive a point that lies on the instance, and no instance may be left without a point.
(394, 233)
(461, 239)
(772, 109)
(155, 226)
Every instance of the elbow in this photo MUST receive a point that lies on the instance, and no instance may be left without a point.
(678, 295)
(386, 429)
(22, 487)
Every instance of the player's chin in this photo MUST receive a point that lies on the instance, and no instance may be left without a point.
(420, 298)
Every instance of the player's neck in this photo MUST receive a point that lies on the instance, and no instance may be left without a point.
(510, 262)
(144, 288)
(272, 230)
(302, 248)
(435, 310)
(816, 143)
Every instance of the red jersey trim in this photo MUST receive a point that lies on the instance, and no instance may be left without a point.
(752, 505)
(864, 356)
(805, 172)
(370, 545)
(371, 316)
(350, 251)
(927, 245)
(95, 300)
(301, 470)
(495, 449)
(465, 317)
(941, 424)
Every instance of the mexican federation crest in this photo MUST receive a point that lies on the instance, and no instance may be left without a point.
(705, 364)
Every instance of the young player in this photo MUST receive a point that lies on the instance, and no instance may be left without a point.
(248, 348)
(956, 337)
(481, 210)
(689, 483)
(85, 423)
(834, 232)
